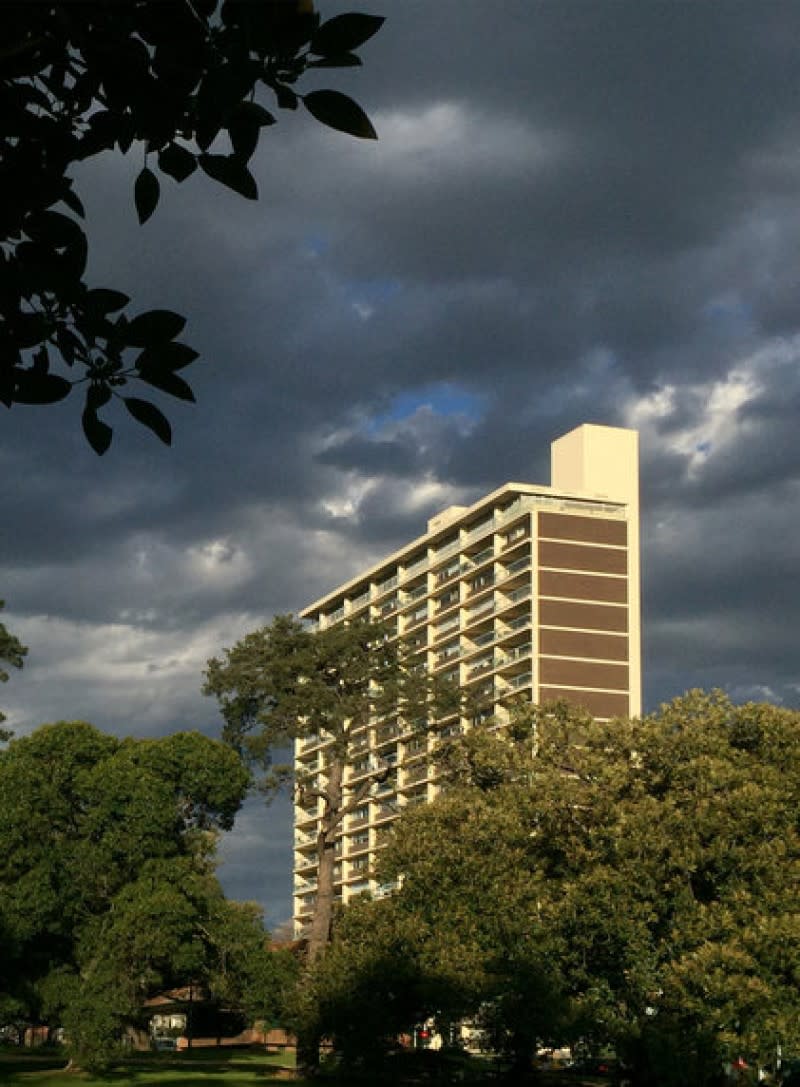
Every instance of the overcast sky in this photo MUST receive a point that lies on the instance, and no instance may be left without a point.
(576, 212)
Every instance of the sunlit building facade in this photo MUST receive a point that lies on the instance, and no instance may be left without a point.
(533, 592)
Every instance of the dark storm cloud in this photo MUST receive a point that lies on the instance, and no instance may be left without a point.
(575, 213)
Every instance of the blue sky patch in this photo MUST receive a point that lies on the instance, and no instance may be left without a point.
(443, 399)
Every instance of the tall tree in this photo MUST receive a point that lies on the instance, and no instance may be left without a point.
(106, 873)
(172, 77)
(12, 652)
(631, 883)
(286, 683)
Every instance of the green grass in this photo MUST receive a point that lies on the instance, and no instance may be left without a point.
(202, 1068)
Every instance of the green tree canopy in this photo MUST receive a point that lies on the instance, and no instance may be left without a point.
(107, 886)
(13, 653)
(630, 883)
(193, 84)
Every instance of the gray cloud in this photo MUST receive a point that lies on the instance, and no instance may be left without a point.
(574, 212)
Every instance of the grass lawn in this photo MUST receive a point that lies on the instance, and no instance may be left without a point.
(202, 1068)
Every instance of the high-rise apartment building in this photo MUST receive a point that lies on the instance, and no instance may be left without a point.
(532, 592)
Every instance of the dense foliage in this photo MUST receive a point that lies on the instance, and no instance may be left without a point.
(188, 84)
(107, 886)
(13, 653)
(286, 683)
(630, 884)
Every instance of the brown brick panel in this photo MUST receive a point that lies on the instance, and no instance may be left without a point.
(579, 643)
(583, 673)
(567, 556)
(610, 590)
(598, 703)
(588, 529)
(560, 613)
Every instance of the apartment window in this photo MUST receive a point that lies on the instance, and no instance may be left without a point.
(447, 600)
(482, 664)
(481, 526)
(483, 581)
(446, 546)
(360, 601)
(417, 592)
(450, 571)
(517, 533)
(359, 841)
(446, 628)
(389, 583)
(415, 564)
(447, 652)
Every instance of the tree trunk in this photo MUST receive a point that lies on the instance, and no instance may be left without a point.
(308, 1039)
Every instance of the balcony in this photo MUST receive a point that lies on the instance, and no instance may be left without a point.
(482, 556)
(360, 601)
(485, 664)
(517, 652)
(520, 532)
(485, 581)
(518, 566)
(416, 617)
(386, 586)
(449, 731)
(416, 773)
(416, 567)
(386, 810)
(479, 530)
(445, 628)
(483, 608)
(446, 551)
(414, 799)
(385, 734)
(449, 573)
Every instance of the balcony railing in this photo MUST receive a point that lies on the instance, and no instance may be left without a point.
(518, 651)
(415, 773)
(416, 568)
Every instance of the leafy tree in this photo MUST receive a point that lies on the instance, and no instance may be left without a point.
(381, 975)
(629, 883)
(12, 652)
(285, 683)
(107, 888)
(243, 972)
(173, 77)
